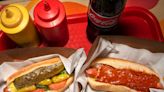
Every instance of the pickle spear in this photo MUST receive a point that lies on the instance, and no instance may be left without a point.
(38, 75)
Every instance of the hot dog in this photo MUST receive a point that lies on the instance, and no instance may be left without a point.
(117, 75)
(47, 75)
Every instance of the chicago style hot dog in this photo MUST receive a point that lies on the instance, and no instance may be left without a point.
(116, 75)
(47, 75)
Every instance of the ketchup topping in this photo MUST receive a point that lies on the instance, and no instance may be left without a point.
(139, 81)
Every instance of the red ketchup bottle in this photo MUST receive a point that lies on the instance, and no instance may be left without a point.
(50, 19)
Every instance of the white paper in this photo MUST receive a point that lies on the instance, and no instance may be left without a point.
(103, 48)
(142, 56)
(81, 58)
(156, 90)
(76, 59)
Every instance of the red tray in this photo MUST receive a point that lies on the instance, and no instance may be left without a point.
(139, 22)
(135, 21)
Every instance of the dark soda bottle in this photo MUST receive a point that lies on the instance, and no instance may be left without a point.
(103, 17)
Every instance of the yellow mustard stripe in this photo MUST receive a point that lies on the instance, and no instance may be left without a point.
(31, 4)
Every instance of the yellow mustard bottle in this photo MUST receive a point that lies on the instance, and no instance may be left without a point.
(16, 22)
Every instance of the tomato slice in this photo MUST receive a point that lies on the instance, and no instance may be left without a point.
(38, 90)
(59, 85)
(92, 72)
(159, 85)
(6, 89)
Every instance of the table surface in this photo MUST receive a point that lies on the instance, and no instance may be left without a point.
(80, 6)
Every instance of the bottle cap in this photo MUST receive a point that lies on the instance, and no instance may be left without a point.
(11, 17)
(47, 11)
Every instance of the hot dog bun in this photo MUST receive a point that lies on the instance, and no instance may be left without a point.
(32, 67)
(118, 64)
(124, 64)
(49, 65)
(69, 81)
(108, 87)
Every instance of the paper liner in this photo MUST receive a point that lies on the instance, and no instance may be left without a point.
(105, 48)
(77, 59)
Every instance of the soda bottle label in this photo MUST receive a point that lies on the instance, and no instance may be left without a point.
(101, 21)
